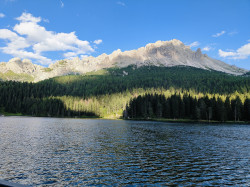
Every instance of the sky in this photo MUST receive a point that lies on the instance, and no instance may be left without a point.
(48, 30)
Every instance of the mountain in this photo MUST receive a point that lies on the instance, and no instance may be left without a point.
(109, 86)
(161, 54)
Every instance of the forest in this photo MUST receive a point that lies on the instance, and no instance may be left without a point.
(109, 92)
(186, 107)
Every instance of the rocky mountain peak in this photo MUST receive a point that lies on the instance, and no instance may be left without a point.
(15, 60)
(198, 54)
(161, 53)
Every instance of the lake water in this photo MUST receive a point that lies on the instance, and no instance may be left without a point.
(60, 152)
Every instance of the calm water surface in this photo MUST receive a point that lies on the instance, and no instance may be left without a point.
(67, 152)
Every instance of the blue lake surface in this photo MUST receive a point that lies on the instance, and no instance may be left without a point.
(68, 152)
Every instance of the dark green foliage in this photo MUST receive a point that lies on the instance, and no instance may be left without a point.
(115, 81)
(246, 109)
(187, 107)
(17, 97)
(41, 99)
(237, 109)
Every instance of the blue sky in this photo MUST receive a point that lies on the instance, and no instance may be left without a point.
(49, 30)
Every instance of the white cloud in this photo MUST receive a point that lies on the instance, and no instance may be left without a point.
(33, 31)
(26, 54)
(7, 34)
(62, 4)
(207, 48)
(70, 54)
(242, 53)
(97, 42)
(219, 34)
(120, 3)
(244, 50)
(27, 17)
(83, 56)
(2, 15)
(226, 53)
(194, 44)
(29, 40)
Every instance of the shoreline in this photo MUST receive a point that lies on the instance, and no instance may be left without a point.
(187, 121)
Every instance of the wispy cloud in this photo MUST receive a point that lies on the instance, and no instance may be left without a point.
(207, 48)
(120, 3)
(29, 39)
(62, 4)
(194, 44)
(232, 33)
(46, 20)
(97, 42)
(241, 53)
(218, 34)
(2, 15)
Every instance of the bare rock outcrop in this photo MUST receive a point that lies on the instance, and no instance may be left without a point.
(161, 53)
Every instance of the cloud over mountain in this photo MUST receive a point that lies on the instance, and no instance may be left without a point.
(194, 44)
(29, 39)
(242, 53)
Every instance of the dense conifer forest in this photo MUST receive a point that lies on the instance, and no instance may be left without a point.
(186, 107)
(107, 93)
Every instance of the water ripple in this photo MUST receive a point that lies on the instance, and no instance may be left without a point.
(71, 152)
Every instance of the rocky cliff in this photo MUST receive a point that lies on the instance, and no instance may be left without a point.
(161, 53)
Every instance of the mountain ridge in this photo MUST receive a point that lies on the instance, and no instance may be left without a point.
(161, 53)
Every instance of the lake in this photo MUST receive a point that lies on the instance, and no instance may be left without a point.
(67, 152)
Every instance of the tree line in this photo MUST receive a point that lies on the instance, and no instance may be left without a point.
(186, 107)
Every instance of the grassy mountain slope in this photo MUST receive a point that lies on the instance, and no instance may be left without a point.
(10, 75)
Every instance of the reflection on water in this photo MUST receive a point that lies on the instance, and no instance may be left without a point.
(50, 151)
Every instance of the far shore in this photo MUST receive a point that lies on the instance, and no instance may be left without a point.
(188, 121)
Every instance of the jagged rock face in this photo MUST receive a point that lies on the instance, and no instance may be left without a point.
(161, 53)
(198, 55)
